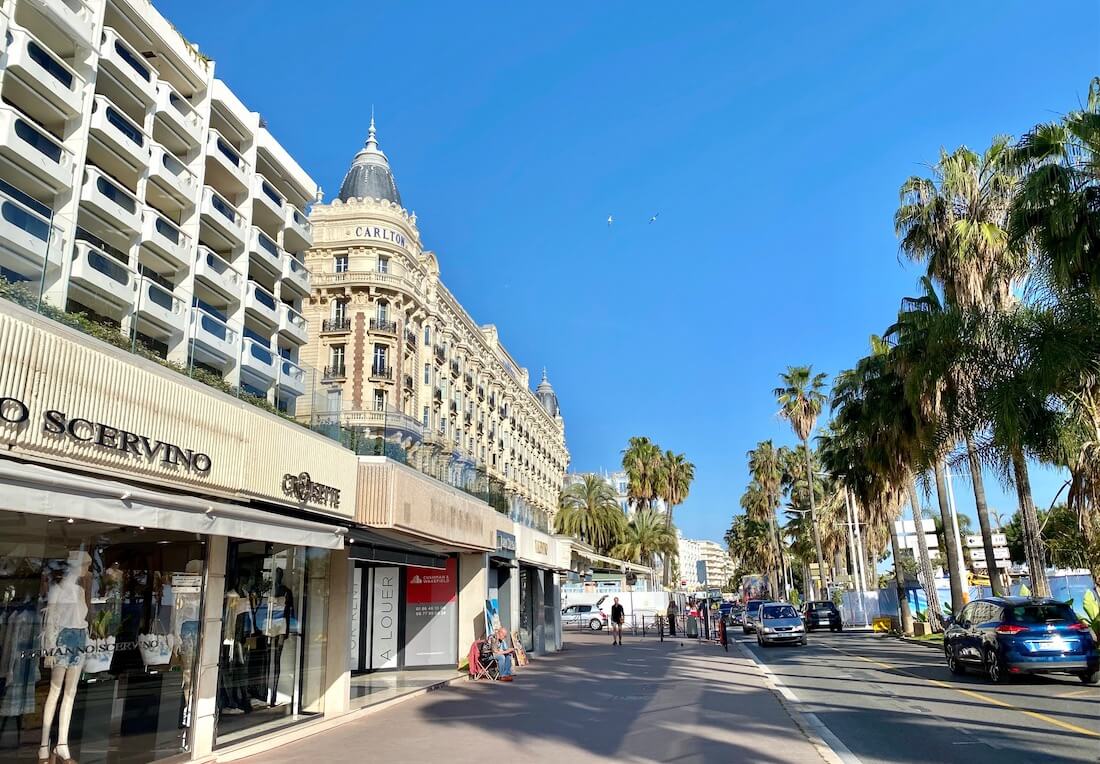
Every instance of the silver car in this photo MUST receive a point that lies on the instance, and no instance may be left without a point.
(780, 623)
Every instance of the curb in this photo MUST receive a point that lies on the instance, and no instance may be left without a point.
(923, 643)
(812, 727)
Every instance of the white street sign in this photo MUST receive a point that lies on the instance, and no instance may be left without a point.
(999, 539)
(974, 541)
(999, 553)
(979, 564)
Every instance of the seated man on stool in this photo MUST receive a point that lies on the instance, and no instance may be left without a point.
(503, 652)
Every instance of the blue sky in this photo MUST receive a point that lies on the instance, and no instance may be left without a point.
(771, 139)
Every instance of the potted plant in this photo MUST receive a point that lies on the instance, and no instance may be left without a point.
(101, 642)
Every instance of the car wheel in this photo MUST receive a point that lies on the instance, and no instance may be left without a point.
(839, 629)
(1090, 677)
(994, 667)
(953, 664)
(595, 624)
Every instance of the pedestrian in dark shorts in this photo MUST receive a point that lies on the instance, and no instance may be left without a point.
(618, 617)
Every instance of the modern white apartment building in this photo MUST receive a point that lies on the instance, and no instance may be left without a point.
(719, 564)
(135, 187)
(620, 484)
(689, 557)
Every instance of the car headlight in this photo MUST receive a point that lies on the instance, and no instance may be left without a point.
(769, 630)
(797, 628)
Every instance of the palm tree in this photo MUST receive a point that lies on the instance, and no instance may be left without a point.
(643, 464)
(758, 508)
(646, 538)
(956, 222)
(589, 511)
(766, 469)
(748, 543)
(800, 399)
(674, 482)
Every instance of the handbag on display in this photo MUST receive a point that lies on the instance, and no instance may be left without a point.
(155, 649)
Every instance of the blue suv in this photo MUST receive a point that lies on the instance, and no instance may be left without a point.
(1006, 636)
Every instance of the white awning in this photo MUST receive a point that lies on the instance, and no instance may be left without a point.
(44, 491)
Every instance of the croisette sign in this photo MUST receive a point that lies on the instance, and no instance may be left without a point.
(99, 435)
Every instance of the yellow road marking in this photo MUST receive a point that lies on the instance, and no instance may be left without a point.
(984, 698)
(1072, 693)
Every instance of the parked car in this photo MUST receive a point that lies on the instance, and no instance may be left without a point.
(779, 623)
(580, 615)
(822, 614)
(1006, 636)
(752, 611)
(737, 616)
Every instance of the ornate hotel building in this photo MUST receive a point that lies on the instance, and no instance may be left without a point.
(405, 367)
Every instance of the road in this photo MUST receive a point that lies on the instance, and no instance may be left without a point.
(893, 701)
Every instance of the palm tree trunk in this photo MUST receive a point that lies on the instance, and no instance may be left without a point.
(981, 508)
(813, 524)
(934, 613)
(903, 603)
(1029, 520)
(775, 573)
(950, 549)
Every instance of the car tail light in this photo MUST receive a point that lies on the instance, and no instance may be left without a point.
(1078, 627)
(1009, 629)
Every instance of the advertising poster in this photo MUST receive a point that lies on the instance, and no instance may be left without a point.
(492, 616)
(356, 616)
(385, 618)
(431, 615)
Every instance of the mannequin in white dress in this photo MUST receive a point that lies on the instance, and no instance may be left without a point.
(65, 637)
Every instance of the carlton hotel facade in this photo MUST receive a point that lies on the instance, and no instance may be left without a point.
(404, 364)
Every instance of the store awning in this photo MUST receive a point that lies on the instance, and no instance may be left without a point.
(368, 546)
(43, 491)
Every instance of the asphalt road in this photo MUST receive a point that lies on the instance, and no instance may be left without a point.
(892, 701)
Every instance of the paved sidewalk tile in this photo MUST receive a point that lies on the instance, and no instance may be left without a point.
(644, 701)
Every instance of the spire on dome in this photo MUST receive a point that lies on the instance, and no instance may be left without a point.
(546, 395)
(370, 175)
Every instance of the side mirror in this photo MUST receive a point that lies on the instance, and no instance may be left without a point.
(948, 620)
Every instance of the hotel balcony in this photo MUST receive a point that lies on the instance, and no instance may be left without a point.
(160, 307)
(127, 67)
(110, 202)
(258, 367)
(164, 240)
(29, 242)
(222, 220)
(333, 373)
(225, 165)
(127, 144)
(295, 275)
(74, 17)
(383, 326)
(215, 272)
(336, 326)
(171, 177)
(214, 342)
(44, 166)
(264, 252)
(261, 305)
(298, 234)
(45, 79)
(292, 379)
(381, 372)
(101, 282)
(179, 117)
(268, 205)
(292, 325)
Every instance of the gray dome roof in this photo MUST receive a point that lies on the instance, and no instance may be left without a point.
(370, 174)
(546, 396)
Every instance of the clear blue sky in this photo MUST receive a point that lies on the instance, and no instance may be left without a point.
(771, 139)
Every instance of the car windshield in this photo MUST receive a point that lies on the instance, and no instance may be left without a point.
(1042, 613)
(779, 611)
(824, 606)
(754, 606)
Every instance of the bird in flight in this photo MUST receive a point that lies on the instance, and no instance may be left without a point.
(610, 220)
(654, 218)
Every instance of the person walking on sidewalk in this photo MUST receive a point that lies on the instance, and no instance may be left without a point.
(723, 639)
(672, 618)
(618, 616)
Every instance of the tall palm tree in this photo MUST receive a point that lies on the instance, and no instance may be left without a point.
(589, 511)
(800, 398)
(748, 543)
(643, 463)
(645, 539)
(757, 505)
(956, 222)
(674, 482)
(766, 470)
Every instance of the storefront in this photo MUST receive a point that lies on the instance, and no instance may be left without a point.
(165, 556)
(539, 611)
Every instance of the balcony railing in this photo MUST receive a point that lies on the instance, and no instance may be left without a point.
(336, 326)
(437, 395)
(454, 368)
(480, 393)
(408, 382)
(383, 326)
(439, 354)
(410, 338)
(334, 372)
(469, 381)
(379, 371)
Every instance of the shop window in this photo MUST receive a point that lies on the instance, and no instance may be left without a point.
(99, 635)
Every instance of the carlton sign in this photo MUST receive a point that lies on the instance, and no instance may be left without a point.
(381, 233)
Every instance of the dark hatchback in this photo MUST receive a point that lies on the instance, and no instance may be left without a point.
(1007, 636)
(822, 615)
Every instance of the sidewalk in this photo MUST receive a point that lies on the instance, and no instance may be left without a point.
(645, 701)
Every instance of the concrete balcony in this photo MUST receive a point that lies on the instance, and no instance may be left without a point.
(42, 165)
(292, 325)
(29, 242)
(223, 222)
(159, 307)
(295, 275)
(127, 144)
(101, 282)
(179, 117)
(74, 17)
(268, 205)
(258, 367)
(225, 166)
(213, 341)
(264, 252)
(292, 379)
(127, 67)
(110, 202)
(172, 178)
(164, 240)
(215, 272)
(298, 232)
(261, 305)
(45, 78)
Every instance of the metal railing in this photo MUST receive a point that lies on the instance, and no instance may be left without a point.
(336, 325)
(335, 372)
(383, 326)
(378, 371)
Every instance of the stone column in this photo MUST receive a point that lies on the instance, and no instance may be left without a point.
(338, 631)
(206, 667)
(473, 586)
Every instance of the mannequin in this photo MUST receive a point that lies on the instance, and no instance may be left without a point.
(186, 619)
(64, 638)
